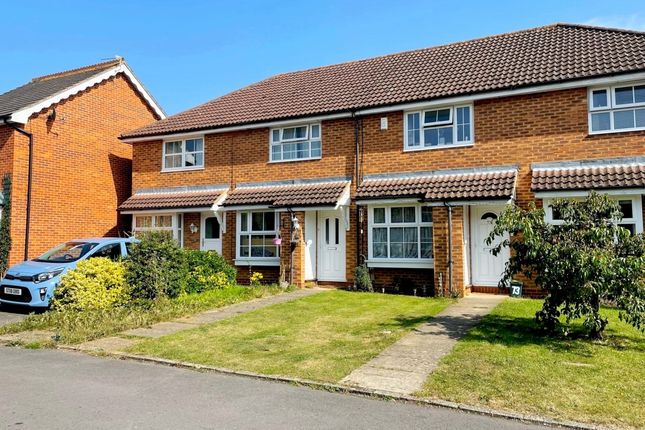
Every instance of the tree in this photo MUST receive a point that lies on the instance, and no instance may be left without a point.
(582, 262)
(5, 237)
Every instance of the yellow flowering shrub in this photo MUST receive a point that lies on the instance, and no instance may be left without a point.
(97, 283)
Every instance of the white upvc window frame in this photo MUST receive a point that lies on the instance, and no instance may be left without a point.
(452, 121)
(282, 142)
(417, 262)
(637, 210)
(176, 227)
(612, 107)
(249, 232)
(183, 154)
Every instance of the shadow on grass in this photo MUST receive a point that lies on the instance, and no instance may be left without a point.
(520, 331)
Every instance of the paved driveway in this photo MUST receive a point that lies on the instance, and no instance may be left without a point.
(10, 314)
(64, 390)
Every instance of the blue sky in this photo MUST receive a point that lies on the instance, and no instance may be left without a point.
(189, 52)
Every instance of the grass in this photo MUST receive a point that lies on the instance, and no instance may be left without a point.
(78, 327)
(322, 337)
(503, 363)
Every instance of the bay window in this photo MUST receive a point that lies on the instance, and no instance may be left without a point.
(171, 223)
(301, 142)
(255, 234)
(438, 128)
(620, 108)
(184, 154)
(400, 233)
(630, 207)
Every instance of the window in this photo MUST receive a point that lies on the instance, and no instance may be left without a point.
(630, 206)
(255, 234)
(302, 142)
(183, 154)
(111, 251)
(617, 109)
(400, 233)
(159, 222)
(438, 128)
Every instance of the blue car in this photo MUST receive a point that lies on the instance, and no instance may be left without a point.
(32, 283)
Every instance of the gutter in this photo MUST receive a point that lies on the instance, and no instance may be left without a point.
(30, 136)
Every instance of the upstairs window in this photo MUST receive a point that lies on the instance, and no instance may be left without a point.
(301, 142)
(616, 109)
(183, 154)
(438, 128)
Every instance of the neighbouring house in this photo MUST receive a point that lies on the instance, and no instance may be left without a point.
(59, 144)
(402, 161)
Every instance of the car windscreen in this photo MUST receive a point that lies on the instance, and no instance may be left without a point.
(67, 252)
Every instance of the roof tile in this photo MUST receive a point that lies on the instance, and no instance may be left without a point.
(588, 177)
(310, 194)
(171, 200)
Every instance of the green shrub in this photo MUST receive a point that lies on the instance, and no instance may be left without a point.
(362, 278)
(207, 270)
(97, 283)
(156, 268)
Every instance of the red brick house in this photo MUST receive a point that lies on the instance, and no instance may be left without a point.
(59, 133)
(401, 161)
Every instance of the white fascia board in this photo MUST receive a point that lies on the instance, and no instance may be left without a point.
(386, 202)
(22, 116)
(584, 193)
(268, 124)
(606, 80)
(164, 211)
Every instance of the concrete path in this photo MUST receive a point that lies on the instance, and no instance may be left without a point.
(48, 389)
(116, 344)
(404, 367)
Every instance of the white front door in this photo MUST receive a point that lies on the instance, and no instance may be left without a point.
(331, 247)
(487, 269)
(211, 233)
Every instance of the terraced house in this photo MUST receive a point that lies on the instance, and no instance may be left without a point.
(59, 144)
(402, 161)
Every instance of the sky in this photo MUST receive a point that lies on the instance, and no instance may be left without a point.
(189, 52)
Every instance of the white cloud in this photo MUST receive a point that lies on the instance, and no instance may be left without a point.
(635, 21)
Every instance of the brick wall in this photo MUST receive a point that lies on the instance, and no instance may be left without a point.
(81, 170)
(514, 130)
(192, 240)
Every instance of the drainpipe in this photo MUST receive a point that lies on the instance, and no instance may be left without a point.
(357, 178)
(450, 262)
(29, 180)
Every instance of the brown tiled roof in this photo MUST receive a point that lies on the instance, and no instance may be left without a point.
(171, 200)
(44, 87)
(441, 186)
(542, 55)
(587, 175)
(284, 195)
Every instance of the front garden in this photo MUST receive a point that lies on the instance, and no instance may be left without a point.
(158, 282)
(507, 363)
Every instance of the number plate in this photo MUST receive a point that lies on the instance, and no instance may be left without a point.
(13, 291)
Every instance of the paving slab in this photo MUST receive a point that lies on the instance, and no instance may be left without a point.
(404, 366)
(25, 337)
(170, 327)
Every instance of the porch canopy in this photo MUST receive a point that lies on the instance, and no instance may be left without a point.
(464, 185)
(567, 177)
(176, 199)
(332, 193)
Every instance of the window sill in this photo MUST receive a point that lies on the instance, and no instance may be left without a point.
(434, 148)
(182, 169)
(257, 261)
(622, 130)
(401, 264)
(293, 161)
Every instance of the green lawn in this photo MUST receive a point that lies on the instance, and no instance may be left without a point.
(321, 337)
(77, 327)
(502, 363)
